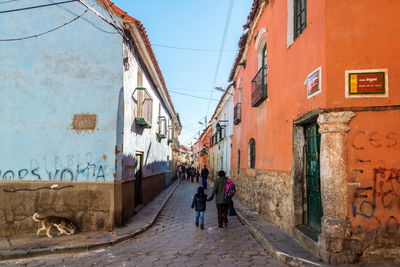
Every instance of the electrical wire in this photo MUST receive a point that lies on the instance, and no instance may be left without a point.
(192, 49)
(46, 32)
(8, 1)
(82, 2)
(33, 7)
(187, 89)
(199, 97)
(85, 19)
(228, 17)
(108, 8)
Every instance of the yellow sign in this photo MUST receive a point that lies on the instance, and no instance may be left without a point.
(353, 83)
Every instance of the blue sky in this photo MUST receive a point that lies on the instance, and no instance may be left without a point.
(192, 24)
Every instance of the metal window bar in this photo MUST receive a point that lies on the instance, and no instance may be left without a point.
(259, 86)
(300, 19)
(237, 113)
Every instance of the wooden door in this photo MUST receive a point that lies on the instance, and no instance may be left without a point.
(138, 181)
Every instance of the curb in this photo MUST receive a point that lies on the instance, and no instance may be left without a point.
(280, 255)
(21, 254)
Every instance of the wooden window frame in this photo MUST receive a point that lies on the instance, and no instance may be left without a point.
(299, 29)
(252, 154)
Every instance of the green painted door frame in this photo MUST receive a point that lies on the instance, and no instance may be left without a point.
(313, 182)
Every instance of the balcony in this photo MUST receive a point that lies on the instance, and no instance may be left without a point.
(259, 87)
(237, 113)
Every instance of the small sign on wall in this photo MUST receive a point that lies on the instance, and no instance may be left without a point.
(313, 83)
(366, 83)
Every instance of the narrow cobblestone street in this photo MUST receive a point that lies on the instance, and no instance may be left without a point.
(174, 240)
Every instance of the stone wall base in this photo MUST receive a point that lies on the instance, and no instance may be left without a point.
(89, 205)
(128, 200)
(267, 192)
(365, 248)
(152, 186)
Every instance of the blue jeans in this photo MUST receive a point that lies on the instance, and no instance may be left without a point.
(204, 183)
(201, 215)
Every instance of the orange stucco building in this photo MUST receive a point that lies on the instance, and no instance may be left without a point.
(316, 140)
(204, 146)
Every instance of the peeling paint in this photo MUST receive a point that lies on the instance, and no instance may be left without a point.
(84, 122)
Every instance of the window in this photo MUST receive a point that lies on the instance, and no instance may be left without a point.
(162, 127)
(237, 110)
(252, 154)
(259, 82)
(300, 17)
(139, 78)
(170, 133)
(238, 164)
(144, 112)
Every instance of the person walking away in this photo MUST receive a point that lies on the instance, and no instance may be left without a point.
(180, 171)
(184, 172)
(204, 175)
(188, 170)
(191, 174)
(221, 202)
(199, 205)
(197, 175)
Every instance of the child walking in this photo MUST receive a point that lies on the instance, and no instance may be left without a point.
(199, 204)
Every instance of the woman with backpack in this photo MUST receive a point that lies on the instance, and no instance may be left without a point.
(220, 200)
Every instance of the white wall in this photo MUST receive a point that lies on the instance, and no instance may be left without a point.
(156, 153)
(222, 150)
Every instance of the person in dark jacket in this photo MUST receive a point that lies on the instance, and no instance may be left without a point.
(199, 205)
(204, 175)
(197, 174)
(222, 203)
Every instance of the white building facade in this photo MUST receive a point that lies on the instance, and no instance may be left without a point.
(222, 130)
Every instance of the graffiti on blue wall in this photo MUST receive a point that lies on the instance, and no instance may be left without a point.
(74, 169)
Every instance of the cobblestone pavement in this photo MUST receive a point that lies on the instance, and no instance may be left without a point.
(174, 240)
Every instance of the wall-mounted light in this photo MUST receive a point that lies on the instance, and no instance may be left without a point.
(243, 63)
(222, 90)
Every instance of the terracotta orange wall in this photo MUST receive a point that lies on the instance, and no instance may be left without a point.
(374, 171)
(362, 35)
(204, 140)
(270, 124)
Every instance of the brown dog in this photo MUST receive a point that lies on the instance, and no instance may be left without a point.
(62, 224)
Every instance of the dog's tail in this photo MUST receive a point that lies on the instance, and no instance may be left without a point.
(36, 217)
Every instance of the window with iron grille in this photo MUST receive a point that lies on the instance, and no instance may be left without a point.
(300, 17)
(238, 161)
(252, 154)
(259, 82)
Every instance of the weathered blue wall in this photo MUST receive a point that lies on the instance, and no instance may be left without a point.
(44, 81)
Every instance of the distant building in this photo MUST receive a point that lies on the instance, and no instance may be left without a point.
(222, 127)
(86, 121)
(316, 141)
(195, 152)
(185, 155)
(204, 146)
